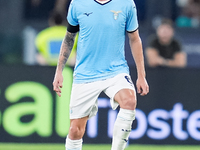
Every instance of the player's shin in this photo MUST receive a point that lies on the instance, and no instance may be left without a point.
(73, 144)
(122, 128)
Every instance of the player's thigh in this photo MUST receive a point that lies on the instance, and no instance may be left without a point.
(83, 101)
(126, 98)
(121, 91)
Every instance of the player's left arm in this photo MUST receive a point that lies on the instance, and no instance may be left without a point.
(137, 52)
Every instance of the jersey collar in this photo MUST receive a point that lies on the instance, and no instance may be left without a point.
(103, 3)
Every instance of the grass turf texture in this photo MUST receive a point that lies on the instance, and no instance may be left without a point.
(12, 146)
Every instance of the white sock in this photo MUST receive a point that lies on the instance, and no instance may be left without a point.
(122, 128)
(73, 144)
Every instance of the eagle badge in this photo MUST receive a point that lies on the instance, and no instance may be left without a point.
(116, 14)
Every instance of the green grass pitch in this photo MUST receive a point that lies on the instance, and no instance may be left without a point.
(12, 146)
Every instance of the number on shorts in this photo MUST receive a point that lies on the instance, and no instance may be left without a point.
(128, 79)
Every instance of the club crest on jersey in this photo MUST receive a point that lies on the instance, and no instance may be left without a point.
(116, 14)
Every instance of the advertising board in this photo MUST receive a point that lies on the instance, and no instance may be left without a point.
(31, 112)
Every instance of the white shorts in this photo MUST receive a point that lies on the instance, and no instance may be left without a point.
(84, 96)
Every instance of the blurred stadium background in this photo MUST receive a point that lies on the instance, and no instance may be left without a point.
(32, 117)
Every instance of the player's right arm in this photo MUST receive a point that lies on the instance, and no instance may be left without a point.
(65, 50)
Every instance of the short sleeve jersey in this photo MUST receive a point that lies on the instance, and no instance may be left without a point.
(102, 29)
(165, 51)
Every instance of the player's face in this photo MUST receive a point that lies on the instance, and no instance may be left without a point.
(165, 33)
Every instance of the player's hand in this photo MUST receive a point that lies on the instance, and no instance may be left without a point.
(58, 83)
(142, 86)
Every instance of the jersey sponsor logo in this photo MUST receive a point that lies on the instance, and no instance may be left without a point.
(116, 14)
(88, 14)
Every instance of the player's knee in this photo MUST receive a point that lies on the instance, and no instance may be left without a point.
(128, 102)
(76, 132)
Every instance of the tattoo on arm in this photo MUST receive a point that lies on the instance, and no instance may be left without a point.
(66, 49)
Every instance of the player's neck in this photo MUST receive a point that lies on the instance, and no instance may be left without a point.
(103, 1)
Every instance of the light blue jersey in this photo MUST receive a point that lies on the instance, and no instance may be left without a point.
(100, 51)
